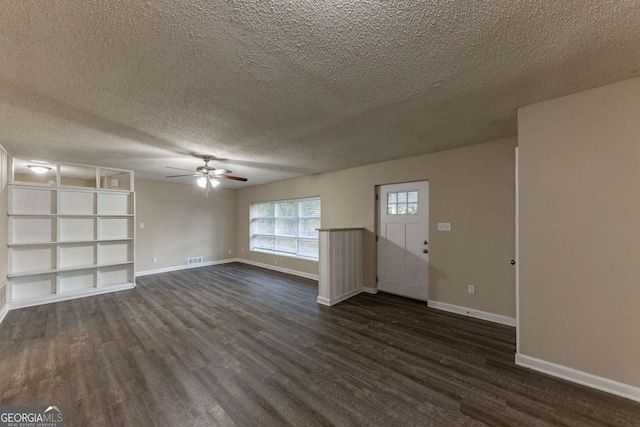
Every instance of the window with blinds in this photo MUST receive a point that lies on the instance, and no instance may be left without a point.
(286, 227)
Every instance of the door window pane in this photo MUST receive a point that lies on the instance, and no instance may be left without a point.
(402, 203)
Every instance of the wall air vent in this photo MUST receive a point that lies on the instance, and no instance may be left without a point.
(195, 260)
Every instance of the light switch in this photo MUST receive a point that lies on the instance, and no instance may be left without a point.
(444, 226)
(142, 225)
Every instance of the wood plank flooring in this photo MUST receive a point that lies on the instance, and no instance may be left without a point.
(237, 345)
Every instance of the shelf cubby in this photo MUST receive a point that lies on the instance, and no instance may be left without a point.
(32, 201)
(76, 203)
(33, 258)
(33, 287)
(115, 228)
(76, 280)
(110, 252)
(115, 275)
(114, 204)
(77, 176)
(32, 229)
(77, 254)
(77, 229)
(115, 179)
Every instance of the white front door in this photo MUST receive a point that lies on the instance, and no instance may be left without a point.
(403, 241)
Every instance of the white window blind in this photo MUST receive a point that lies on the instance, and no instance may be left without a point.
(286, 227)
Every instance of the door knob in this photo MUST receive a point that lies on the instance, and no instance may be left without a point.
(426, 243)
(426, 251)
(513, 262)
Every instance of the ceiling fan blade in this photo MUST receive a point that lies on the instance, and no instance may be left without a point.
(237, 178)
(177, 176)
(221, 171)
(180, 169)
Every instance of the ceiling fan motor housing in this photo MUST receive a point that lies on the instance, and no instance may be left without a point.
(205, 169)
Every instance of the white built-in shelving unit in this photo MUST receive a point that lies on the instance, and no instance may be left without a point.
(71, 232)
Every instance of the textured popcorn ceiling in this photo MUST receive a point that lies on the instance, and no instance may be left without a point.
(286, 88)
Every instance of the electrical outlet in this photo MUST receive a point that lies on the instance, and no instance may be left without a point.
(229, 250)
(444, 226)
(142, 225)
(155, 259)
(275, 261)
(471, 289)
(242, 250)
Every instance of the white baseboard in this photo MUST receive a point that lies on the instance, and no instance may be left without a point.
(478, 314)
(5, 308)
(334, 301)
(279, 269)
(369, 290)
(3, 312)
(183, 267)
(57, 298)
(323, 301)
(580, 377)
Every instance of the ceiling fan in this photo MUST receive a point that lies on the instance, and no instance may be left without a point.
(208, 176)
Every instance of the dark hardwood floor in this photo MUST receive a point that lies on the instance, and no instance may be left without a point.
(237, 345)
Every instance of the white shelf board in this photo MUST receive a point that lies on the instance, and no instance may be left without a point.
(37, 186)
(25, 215)
(58, 270)
(67, 242)
(31, 244)
(111, 285)
(40, 186)
(94, 216)
(64, 296)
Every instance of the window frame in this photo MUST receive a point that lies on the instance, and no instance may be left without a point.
(254, 217)
(411, 207)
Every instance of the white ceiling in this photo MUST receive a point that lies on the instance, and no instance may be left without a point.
(291, 87)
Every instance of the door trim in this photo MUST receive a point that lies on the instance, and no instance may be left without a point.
(517, 243)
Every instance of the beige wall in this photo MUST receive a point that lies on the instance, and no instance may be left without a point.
(580, 231)
(4, 235)
(471, 187)
(181, 222)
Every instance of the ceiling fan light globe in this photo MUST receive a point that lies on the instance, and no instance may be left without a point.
(202, 182)
(214, 182)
